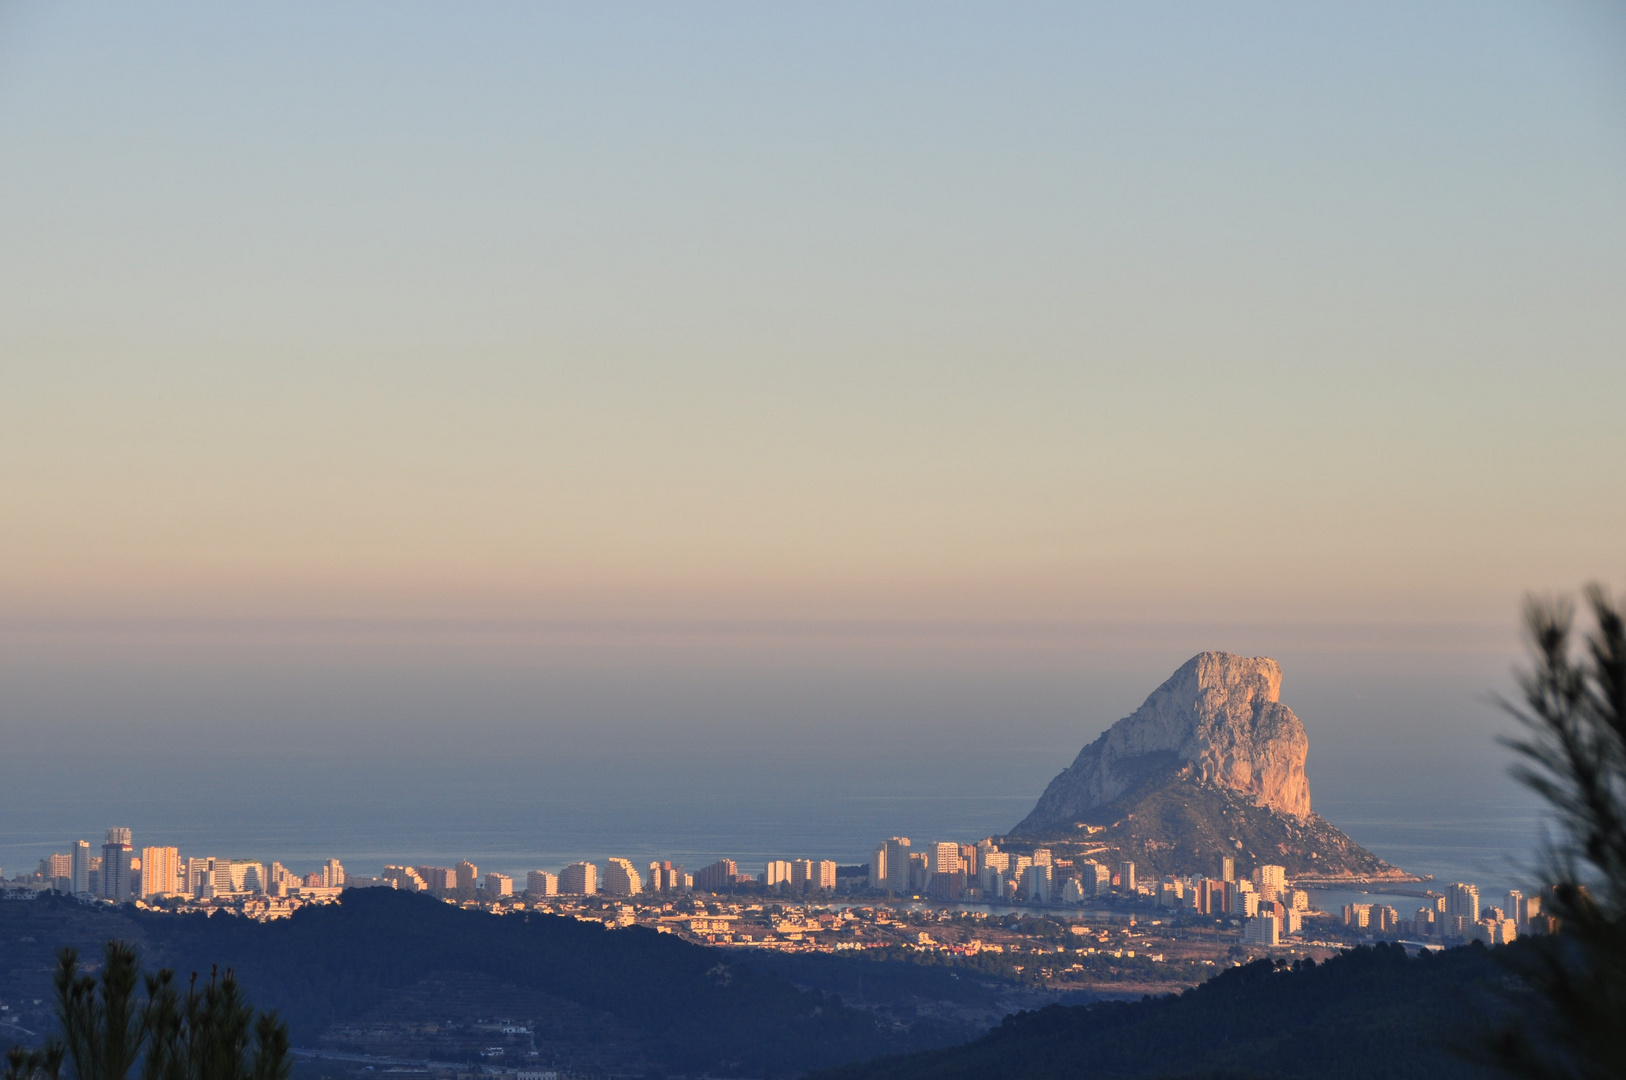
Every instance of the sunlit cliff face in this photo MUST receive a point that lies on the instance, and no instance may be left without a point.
(1217, 716)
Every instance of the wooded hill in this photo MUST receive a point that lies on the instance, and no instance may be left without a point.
(1369, 1014)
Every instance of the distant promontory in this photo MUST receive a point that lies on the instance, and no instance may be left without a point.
(1211, 765)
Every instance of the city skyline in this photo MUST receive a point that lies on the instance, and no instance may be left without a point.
(1266, 907)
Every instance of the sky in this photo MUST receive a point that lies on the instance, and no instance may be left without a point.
(873, 399)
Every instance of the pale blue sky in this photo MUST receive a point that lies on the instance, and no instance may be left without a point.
(892, 335)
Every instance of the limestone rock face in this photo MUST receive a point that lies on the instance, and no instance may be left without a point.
(1217, 720)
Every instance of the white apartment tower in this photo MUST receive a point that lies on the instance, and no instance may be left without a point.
(897, 864)
(80, 873)
(405, 878)
(117, 852)
(160, 871)
(1271, 881)
(1036, 884)
(579, 879)
(1461, 901)
(1515, 908)
(621, 878)
(1262, 930)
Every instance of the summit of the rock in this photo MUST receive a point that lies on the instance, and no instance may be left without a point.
(1218, 720)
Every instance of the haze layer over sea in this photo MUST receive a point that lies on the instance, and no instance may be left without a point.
(522, 749)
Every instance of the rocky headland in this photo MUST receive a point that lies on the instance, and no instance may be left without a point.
(1211, 764)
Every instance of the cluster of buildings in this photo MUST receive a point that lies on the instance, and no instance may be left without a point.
(121, 872)
(948, 870)
(1268, 907)
(1455, 916)
(619, 877)
(981, 871)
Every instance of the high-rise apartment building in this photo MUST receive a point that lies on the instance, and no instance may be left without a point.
(1271, 881)
(247, 876)
(801, 875)
(897, 864)
(117, 854)
(621, 878)
(209, 877)
(499, 885)
(160, 871)
(58, 872)
(718, 876)
(541, 883)
(579, 879)
(442, 880)
(920, 872)
(405, 878)
(197, 877)
(468, 876)
(1513, 905)
(1227, 868)
(1461, 901)
(945, 856)
(666, 878)
(970, 860)
(776, 872)
(1126, 876)
(1262, 930)
(80, 858)
(1041, 856)
(824, 876)
(333, 874)
(877, 868)
(1036, 884)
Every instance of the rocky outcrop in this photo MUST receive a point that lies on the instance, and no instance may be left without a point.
(1217, 721)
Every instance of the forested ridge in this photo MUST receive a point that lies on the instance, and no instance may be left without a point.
(1369, 1014)
(690, 1007)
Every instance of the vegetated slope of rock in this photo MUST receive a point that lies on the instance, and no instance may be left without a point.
(1212, 764)
(1175, 824)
